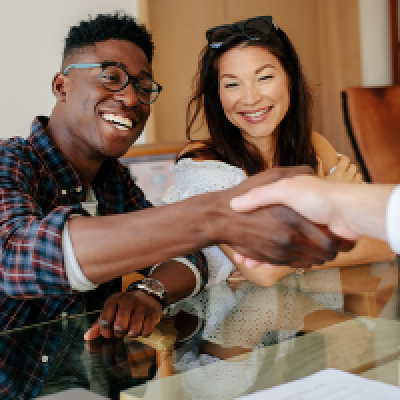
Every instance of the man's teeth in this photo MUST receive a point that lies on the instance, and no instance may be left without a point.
(258, 113)
(121, 123)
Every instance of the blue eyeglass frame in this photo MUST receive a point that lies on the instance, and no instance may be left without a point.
(130, 78)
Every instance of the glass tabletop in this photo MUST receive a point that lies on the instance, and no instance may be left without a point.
(230, 340)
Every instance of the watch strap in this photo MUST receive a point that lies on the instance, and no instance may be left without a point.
(147, 285)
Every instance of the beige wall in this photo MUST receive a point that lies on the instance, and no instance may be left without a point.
(375, 43)
(31, 42)
(340, 65)
(398, 40)
(325, 33)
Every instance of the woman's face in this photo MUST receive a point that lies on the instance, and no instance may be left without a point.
(253, 89)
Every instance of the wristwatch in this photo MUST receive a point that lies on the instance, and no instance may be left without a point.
(152, 287)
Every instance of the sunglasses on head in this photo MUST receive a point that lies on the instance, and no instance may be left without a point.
(253, 29)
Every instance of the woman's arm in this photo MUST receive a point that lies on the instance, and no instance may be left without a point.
(262, 276)
(367, 250)
(332, 166)
(337, 168)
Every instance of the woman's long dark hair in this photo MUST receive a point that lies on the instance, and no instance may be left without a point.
(225, 143)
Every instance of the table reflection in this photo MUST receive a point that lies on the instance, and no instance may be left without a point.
(228, 340)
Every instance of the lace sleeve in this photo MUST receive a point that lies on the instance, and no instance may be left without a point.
(197, 177)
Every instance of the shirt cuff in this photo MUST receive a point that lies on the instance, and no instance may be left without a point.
(190, 265)
(76, 278)
(393, 220)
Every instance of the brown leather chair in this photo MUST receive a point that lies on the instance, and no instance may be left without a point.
(372, 118)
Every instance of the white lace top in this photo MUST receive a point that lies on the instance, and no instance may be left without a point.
(280, 307)
(193, 178)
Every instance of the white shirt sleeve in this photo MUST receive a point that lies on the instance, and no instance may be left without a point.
(393, 220)
(75, 276)
(78, 280)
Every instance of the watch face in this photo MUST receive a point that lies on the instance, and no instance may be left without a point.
(153, 285)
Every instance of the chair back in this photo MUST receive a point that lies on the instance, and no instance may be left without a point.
(372, 119)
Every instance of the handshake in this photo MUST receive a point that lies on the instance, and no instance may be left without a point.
(309, 219)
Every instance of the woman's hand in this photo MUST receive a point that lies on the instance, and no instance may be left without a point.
(344, 171)
(236, 276)
(264, 275)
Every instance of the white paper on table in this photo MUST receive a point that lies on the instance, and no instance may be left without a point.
(329, 384)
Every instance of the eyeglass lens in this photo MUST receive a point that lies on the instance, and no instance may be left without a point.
(115, 79)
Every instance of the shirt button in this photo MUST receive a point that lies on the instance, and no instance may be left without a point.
(45, 359)
(63, 192)
(78, 189)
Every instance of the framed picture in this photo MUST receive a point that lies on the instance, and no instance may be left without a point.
(150, 166)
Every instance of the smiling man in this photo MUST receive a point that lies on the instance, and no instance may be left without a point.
(73, 221)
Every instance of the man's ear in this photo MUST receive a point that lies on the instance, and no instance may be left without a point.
(59, 85)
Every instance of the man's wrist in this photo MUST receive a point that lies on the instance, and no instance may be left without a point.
(190, 266)
(152, 287)
(216, 218)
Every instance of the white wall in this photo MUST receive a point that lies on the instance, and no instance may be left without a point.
(375, 42)
(32, 36)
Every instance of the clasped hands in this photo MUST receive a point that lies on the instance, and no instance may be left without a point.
(275, 235)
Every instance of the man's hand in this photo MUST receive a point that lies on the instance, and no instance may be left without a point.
(123, 360)
(126, 313)
(307, 195)
(276, 234)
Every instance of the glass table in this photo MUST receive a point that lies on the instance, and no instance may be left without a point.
(232, 340)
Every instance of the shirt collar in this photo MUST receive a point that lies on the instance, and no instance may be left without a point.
(61, 167)
(63, 170)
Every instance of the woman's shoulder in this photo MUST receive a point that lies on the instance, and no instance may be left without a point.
(201, 156)
(207, 168)
(197, 150)
(194, 177)
(324, 151)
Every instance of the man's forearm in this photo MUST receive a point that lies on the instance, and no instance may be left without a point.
(110, 246)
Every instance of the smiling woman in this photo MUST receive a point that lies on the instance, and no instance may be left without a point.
(254, 93)
(258, 111)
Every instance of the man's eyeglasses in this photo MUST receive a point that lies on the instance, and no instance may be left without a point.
(114, 77)
(253, 29)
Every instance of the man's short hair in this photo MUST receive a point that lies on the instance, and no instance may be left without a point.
(108, 26)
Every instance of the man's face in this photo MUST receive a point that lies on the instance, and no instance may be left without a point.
(99, 122)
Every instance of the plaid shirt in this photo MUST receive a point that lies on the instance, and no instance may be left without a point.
(39, 189)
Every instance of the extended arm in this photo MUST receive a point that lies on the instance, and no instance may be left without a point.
(110, 246)
(334, 167)
(348, 210)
